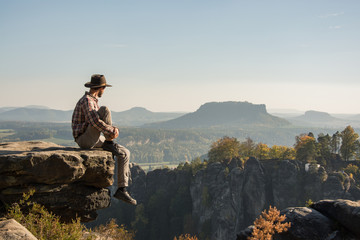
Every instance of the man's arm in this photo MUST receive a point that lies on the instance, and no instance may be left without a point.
(94, 119)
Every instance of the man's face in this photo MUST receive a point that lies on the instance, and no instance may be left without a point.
(101, 91)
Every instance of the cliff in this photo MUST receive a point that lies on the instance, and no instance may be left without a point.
(70, 182)
(219, 201)
(224, 114)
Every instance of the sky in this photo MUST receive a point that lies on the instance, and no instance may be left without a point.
(176, 55)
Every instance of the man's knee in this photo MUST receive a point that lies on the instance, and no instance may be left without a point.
(103, 111)
(124, 154)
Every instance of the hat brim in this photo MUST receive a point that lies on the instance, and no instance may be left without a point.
(90, 85)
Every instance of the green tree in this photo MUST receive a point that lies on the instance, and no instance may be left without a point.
(262, 151)
(335, 142)
(305, 147)
(324, 146)
(349, 143)
(247, 148)
(353, 169)
(282, 152)
(224, 149)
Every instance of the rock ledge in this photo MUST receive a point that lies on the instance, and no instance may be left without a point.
(68, 181)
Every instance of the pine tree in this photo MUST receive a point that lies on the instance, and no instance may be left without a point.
(349, 143)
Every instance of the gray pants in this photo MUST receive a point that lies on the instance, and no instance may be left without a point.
(92, 138)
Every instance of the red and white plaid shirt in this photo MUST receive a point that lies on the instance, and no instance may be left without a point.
(85, 113)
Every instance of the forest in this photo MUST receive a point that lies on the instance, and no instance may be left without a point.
(149, 145)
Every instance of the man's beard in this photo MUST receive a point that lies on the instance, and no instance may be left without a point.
(100, 94)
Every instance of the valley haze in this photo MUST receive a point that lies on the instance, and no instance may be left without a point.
(139, 116)
(156, 137)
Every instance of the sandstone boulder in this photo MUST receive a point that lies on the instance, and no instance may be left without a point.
(345, 212)
(324, 220)
(12, 230)
(306, 223)
(68, 181)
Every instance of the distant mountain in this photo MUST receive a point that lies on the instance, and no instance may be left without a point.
(133, 117)
(138, 116)
(315, 116)
(36, 115)
(356, 117)
(321, 119)
(224, 114)
(37, 106)
(5, 109)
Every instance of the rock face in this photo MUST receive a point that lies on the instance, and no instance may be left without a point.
(219, 201)
(326, 219)
(12, 230)
(68, 181)
(345, 212)
(235, 197)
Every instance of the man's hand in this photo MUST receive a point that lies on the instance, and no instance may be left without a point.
(116, 134)
(112, 136)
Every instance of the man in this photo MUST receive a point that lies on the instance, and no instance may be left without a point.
(89, 121)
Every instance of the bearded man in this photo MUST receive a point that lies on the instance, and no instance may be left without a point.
(92, 128)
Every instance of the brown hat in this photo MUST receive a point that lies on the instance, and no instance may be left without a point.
(97, 80)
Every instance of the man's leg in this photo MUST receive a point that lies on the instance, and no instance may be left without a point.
(123, 166)
(91, 137)
(123, 159)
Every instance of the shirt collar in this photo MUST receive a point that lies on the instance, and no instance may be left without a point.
(95, 98)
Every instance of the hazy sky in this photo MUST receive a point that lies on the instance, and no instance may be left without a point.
(175, 55)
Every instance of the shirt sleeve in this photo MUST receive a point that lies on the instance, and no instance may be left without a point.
(93, 117)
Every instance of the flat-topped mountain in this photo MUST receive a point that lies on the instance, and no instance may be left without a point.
(224, 114)
(316, 116)
(321, 119)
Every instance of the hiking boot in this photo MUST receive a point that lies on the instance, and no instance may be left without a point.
(124, 196)
(111, 147)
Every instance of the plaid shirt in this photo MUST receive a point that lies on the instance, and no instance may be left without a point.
(85, 113)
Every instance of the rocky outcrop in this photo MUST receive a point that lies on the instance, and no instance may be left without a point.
(324, 220)
(68, 181)
(12, 230)
(220, 200)
(212, 199)
(345, 212)
(230, 202)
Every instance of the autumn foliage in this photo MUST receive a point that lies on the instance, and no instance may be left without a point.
(186, 237)
(227, 148)
(224, 149)
(269, 223)
(305, 147)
